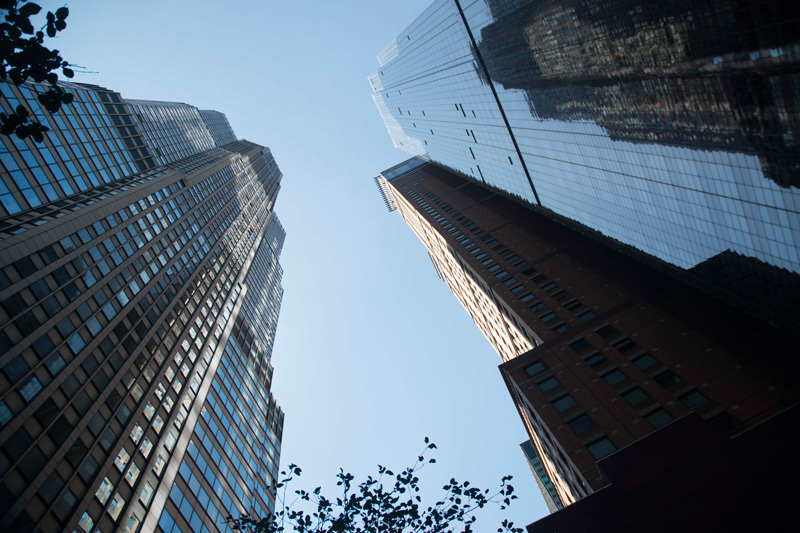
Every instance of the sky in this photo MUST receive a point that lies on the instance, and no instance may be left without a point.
(373, 352)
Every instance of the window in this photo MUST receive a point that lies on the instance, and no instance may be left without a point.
(122, 459)
(580, 345)
(159, 464)
(146, 494)
(635, 396)
(560, 328)
(136, 433)
(586, 316)
(536, 368)
(133, 474)
(563, 403)
(606, 331)
(547, 287)
(30, 388)
(595, 360)
(509, 282)
(146, 447)
(132, 524)
(667, 379)
(645, 361)
(601, 447)
(548, 384)
(614, 377)
(693, 399)
(104, 491)
(659, 418)
(623, 345)
(581, 424)
(574, 304)
(548, 317)
(116, 506)
(85, 524)
(536, 306)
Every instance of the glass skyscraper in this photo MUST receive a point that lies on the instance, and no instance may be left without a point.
(670, 128)
(140, 288)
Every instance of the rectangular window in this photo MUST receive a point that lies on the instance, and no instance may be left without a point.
(561, 295)
(580, 345)
(601, 447)
(693, 399)
(595, 360)
(548, 384)
(104, 491)
(116, 506)
(536, 306)
(635, 396)
(548, 317)
(667, 379)
(659, 418)
(586, 316)
(614, 377)
(623, 345)
(645, 361)
(563, 403)
(581, 424)
(536, 368)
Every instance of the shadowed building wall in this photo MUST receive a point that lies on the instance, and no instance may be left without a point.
(599, 350)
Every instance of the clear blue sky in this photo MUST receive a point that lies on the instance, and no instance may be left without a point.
(373, 352)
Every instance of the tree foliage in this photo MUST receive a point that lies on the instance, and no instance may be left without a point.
(23, 56)
(387, 503)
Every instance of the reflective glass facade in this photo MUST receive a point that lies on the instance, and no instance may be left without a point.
(137, 316)
(668, 127)
(545, 485)
(172, 130)
(218, 126)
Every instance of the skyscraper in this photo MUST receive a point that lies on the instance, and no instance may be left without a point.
(667, 127)
(139, 295)
(600, 351)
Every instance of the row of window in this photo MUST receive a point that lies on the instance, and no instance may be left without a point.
(137, 432)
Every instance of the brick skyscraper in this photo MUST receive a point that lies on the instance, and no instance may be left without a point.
(601, 352)
(139, 295)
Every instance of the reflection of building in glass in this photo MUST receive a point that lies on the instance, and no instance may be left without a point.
(601, 353)
(545, 485)
(623, 135)
(682, 74)
(218, 126)
(139, 295)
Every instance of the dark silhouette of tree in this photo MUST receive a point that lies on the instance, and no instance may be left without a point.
(23, 57)
(388, 503)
